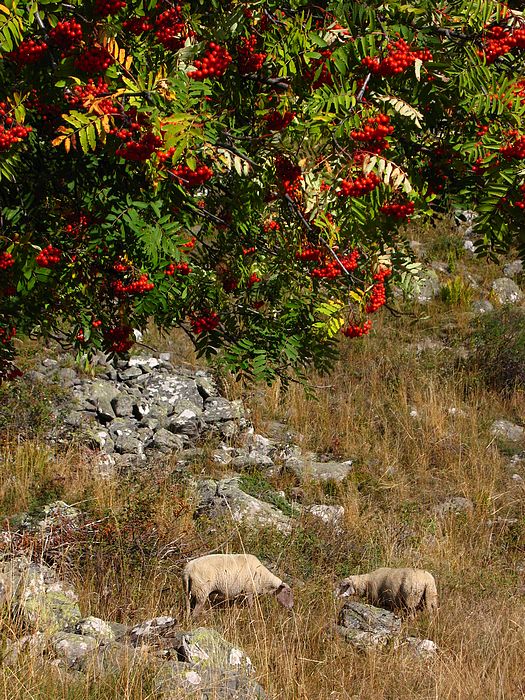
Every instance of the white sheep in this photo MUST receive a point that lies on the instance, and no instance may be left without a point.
(230, 576)
(396, 589)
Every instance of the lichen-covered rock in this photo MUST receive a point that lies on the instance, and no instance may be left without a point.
(99, 629)
(33, 590)
(208, 667)
(506, 291)
(330, 515)
(225, 497)
(507, 430)
(152, 630)
(320, 471)
(366, 626)
(73, 648)
(57, 514)
(420, 648)
(176, 680)
(513, 269)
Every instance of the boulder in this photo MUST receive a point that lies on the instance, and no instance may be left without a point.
(366, 626)
(152, 630)
(513, 269)
(208, 667)
(226, 497)
(506, 291)
(37, 596)
(507, 430)
(73, 648)
(320, 471)
(330, 515)
(98, 629)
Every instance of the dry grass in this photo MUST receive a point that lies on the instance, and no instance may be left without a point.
(418, 428)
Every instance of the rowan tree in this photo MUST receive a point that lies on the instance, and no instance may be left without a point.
(242, 169)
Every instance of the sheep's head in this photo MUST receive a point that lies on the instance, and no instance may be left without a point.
(346, 588)
(285, 596)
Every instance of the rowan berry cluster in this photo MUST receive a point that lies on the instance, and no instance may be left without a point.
(49, 256)
(275, 121)
(398, 210)
(138, 286)
(28, 52)
(359, 186)
(213, 64)
(271, 226)
(376, 299)
(181, 268)
(8, 137)
(253, 279)
(334, 268)
(318, 72)
(249, 60)
(521, 202)
(121, 266)
(77, 95)
(118, 339)
(289, 175)
(6, 261)
(95, 59)
(78, 222)
(249, 251)
(373, 133)
(7, 334)
(171, 30)
(400, 56)
(189, 178)
(310, 254)
(515, 149)
(66, 35)
(140, 150)
(205, 323)
(499, 40)
(357, 330)
(96, 323)
(163, 156)
(138, 25)
(104, 8)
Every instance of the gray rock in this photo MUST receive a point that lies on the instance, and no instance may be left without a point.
(330, 515)
(513, 269)
(427, 287)
(32, 646)
(454, 506)
(253, 460)
(366, 626)
(225, 497)
(75, 419)
(151, 630)
(130, 374)
(217, 409)
(164, 441)
(186, 422)
(73, 648)
(127, 444)
(42, 601)
(205, 385)
(506, 291)
(57, 514)
(123, 406)
(206, 647)
(420, 648)
(96, 628)
(175, 680)
(507, 430)
(482, 306)
(320, 471)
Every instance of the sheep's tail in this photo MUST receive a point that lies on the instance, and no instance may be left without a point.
(186, 583)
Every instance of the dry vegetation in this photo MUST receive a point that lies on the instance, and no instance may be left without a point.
(418, 427)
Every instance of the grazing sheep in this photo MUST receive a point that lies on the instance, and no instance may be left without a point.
(230, 576)
(394, 589)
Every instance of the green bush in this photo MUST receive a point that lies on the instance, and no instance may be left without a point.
(498, 341)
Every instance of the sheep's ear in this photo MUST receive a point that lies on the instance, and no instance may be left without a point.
(345, 588)
(285, 596)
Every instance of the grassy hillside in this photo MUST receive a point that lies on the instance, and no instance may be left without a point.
(413, 405)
